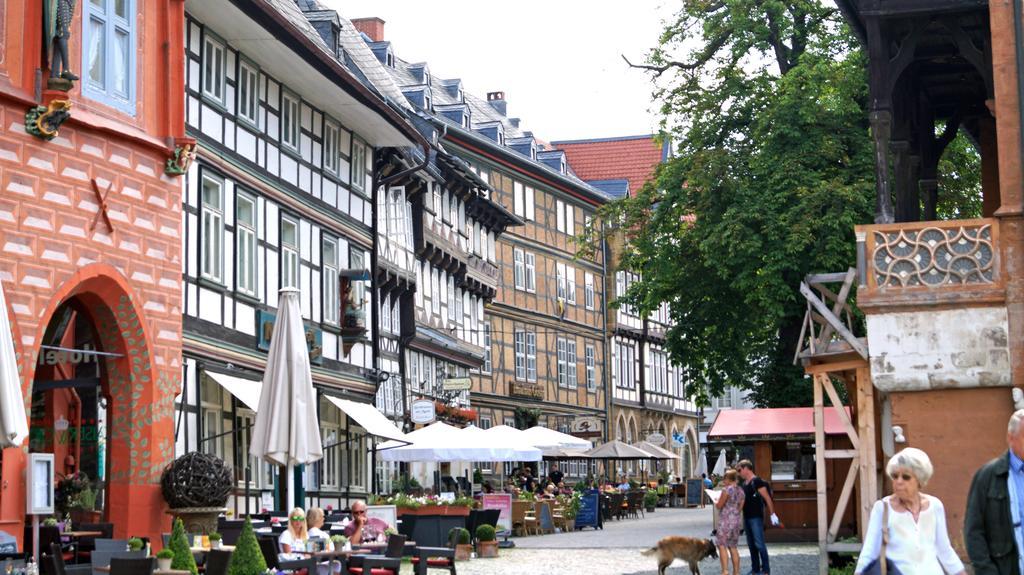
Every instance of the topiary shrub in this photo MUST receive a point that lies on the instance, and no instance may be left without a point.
(247, 558)
(196, 480)
(460, 535)
(135, 544)
(178, 544)
(165, 554)
(486, 533)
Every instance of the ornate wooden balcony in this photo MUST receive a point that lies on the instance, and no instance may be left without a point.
(944, 263)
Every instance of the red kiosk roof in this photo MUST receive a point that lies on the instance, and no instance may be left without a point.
(784, 421)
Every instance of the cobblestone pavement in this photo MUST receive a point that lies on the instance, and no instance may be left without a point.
(615, 550)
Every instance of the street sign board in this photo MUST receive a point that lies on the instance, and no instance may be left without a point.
(457, 384)
(586, 424)
(422, 411)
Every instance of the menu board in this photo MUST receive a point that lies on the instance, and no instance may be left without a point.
(502, 501)
(588, 515)
(40, 480)
(694, 490)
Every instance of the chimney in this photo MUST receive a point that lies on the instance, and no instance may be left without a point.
(372, 27)
(497, 101)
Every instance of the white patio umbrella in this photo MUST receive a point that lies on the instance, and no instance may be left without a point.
(442, 442)
(719, 469)
(544, 437)
(702, 464)
(13, 423)
(287, 431)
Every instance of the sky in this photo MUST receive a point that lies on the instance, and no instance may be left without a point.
(559, 62)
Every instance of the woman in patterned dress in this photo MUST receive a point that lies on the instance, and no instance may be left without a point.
(730, 518)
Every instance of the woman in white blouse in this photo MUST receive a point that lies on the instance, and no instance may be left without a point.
(918, 539)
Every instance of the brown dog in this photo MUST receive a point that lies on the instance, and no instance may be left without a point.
(686, 548)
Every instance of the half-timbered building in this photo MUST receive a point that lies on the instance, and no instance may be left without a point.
(649, 400)
(281, 195)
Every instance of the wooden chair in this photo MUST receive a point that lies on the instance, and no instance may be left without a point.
(523, 521)
(435, 557)
(268, 546)
(542, 512)
(87, 544)
(52, 563)
(615, 502)
(217, 561)
(132, 566)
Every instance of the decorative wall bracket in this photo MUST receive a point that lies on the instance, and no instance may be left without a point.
(44, 121)
(184, 152)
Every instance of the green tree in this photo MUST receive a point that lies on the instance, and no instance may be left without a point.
(247, 559)
(183, 559)
(765, 101)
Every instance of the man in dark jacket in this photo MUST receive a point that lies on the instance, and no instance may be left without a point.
(995, 509)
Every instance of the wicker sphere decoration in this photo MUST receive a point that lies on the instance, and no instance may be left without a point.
(196, 480)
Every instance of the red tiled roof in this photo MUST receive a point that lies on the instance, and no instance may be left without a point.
(778, 422)
(632, 159)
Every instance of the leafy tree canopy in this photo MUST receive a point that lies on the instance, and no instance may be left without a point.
(766, 104)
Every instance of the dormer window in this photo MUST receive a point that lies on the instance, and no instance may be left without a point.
(426, 101)
(390, 60)
(561, 167)
(461, 96)
(533, 153)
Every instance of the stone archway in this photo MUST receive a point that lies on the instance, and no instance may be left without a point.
(140, 396)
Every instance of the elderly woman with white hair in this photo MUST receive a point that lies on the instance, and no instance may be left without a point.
(913, 523)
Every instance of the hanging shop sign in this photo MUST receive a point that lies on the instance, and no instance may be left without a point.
(656, 438)
(422, 411)
(586, 425)
(523, 389)
(457, 384)
(314, 336)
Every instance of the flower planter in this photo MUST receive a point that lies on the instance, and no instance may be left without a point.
(198, 520)
(434, 510)
(487, 549)
(650, 509)
(463, 552)
(570, 524)
(164, 564)
(79, 516)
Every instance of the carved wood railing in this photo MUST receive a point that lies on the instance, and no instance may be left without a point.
(940, 262)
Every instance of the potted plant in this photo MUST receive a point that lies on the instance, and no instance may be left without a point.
(178, 544)
(196, 488)
(163, 559)
(215, 539)
(247, 559)
(571, 509)
(486, 541)
(50, 522)
(463, 548)
(340, 542)
(135, 544)
(650, 500)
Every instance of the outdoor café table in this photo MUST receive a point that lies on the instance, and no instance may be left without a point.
(199, 550)
(106, 569)
(74, 536)
(381, 546)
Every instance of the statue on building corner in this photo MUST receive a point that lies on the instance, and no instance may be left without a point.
(57, 21)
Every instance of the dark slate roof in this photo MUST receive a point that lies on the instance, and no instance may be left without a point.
(614, 188)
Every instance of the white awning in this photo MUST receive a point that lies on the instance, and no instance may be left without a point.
(247, 391)
(369, 418)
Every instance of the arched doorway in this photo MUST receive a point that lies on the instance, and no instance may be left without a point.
(108, 409)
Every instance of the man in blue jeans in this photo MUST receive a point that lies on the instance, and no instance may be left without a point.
(757, 497)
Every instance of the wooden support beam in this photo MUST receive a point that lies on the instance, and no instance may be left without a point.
(839, 366)
(868, 457)
(834, 321)
(826, 382)
(842, 454)
(844, 500)
(821, 480)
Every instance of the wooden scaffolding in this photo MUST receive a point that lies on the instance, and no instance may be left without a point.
(830, 352)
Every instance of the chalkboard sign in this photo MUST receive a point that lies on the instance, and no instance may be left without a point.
(694, 492)
(588, 514)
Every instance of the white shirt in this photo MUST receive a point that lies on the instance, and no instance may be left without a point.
(316, 532)
(915, 548)
(288, 539)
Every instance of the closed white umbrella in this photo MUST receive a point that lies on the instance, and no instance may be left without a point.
(287, 431)
(702, 464)
(719, 469)
(13, 423)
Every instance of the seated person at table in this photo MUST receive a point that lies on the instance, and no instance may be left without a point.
(314, 522)
(360, 530)
(624, 484)
(294, 538)
(487, 487)
(549, 492)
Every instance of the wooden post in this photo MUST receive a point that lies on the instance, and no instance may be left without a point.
(821, 480)
(866, 428)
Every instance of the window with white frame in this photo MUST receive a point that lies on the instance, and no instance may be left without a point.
(435, 281)
(261, 473)
(531, 272)
(330, 433)
(560, 215)
(560, 280)
(531, 356)
(437, 201)
(570, 220)
(214, 76)
(332, 302)
(332, 157)
(211, 405)
(289, 253)
(451, 298)
(358, 165)
(520, 269)
(570, 358)
(518, 199)
(626, 366)
(520, 343)
(108, 50)
(396, 319)
(290, 121)
(245, 237)
(563, 367)
(529, 211)
(213, 228)
(591, 360)
(570, 284)
(588, 290)
(487, 347)
(248, 91)
(385, 313)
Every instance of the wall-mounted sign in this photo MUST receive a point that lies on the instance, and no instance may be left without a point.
(457, 384)
(585, 424)
(40, 480)
(422, 411)
(314, 336)
(523, 389)
(656, 438)
(678, 439)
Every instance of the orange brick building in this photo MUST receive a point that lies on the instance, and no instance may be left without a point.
(90, 248)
